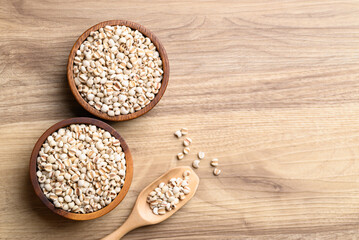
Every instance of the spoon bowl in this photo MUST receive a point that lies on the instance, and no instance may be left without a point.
(142, 214)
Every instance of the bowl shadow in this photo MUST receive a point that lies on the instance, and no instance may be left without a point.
(75, 109)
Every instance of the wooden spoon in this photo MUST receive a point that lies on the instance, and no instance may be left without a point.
(142, 214)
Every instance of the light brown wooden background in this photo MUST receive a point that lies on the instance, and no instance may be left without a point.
(271, 88)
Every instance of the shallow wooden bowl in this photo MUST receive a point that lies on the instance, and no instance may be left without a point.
(80, 216)
(145, 32)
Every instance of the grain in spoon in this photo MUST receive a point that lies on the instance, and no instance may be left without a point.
(142, 214)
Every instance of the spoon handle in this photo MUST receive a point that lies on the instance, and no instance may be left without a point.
(131, 223)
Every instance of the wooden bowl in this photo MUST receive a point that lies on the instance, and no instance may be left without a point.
(80, 216)
(145, 32)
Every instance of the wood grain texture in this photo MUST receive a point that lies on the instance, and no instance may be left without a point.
(268, 87)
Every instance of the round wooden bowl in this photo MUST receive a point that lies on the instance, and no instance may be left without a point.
(80, 216)
(145, 32)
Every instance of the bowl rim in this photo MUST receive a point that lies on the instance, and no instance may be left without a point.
(47, 202)
(165, 66)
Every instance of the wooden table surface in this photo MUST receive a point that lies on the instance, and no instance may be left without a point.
(269, 87)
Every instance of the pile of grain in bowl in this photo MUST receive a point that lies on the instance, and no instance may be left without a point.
(117, 70)
(81, 168)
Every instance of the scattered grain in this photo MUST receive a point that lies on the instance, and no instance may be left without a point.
(184, 131)
(195, 163)
(180, 156)
(216, 171)
(201, 155)
(186, 150)
(178, 134)
(187, 142)
(214, 162)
